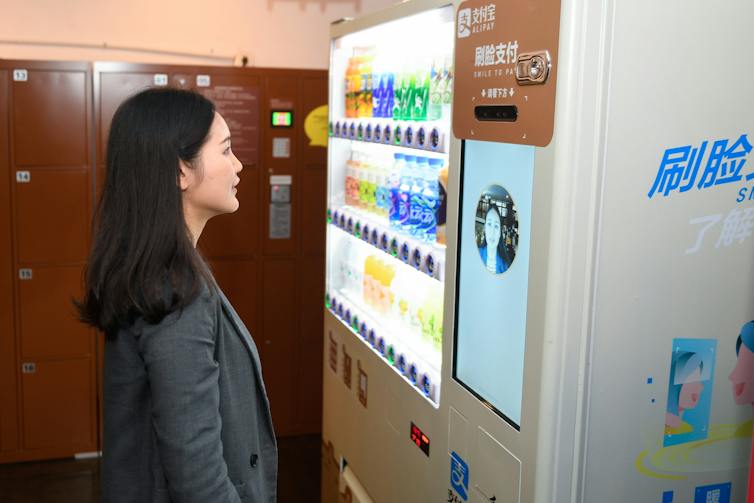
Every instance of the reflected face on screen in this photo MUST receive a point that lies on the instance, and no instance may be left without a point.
(492, 229)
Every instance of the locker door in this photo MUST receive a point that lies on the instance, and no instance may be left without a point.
(57, 406)
(57, 333)
(50, 119)
(52, 215)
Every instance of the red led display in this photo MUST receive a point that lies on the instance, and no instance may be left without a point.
(420, 439)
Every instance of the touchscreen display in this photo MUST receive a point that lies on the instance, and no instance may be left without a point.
(493, 273)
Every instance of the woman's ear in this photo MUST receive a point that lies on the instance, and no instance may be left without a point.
(185, 175)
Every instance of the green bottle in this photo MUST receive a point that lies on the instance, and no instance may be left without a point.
(408, 97)
(397, 96)
(421, 99)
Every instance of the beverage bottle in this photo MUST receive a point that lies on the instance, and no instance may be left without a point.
(378, 95)
(388, 98)
(371, 185)
(447, 90)
(431, 199)
(357, 86)
(349, 88)
(386, 295)
(418, 204)
(381, 189)
(365, 70)
(407, 183)
(363, 182)
(397, 96)
(350, 180)
(421, 97)
(434, 111)
(408, 96)
(442, 203)
(394, 184)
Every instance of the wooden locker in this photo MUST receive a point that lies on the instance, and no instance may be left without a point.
(279, 326)
(58, 411)
(8, 391)
(50, 111)
(53, 215)
(57, 334)
(50, 209)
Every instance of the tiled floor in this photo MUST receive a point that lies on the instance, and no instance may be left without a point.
(69, 481)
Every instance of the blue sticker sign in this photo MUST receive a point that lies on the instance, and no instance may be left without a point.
(459, 476)
(692, 368)
(667, 497)
(718, 493)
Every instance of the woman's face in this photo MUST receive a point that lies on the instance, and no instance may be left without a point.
(209, 188)
(492, 229)
(742, 377)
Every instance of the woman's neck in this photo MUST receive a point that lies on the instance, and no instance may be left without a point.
(195, 224)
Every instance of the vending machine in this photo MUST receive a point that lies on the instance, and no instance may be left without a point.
(389, 151)
(597, 326)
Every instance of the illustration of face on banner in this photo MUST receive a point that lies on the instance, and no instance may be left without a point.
(742, 377)
(689, 390)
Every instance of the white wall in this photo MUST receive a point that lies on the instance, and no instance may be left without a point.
(272, 33)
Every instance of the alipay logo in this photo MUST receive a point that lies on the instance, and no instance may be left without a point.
(464, 23)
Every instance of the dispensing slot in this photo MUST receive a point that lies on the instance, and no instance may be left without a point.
(496, 113)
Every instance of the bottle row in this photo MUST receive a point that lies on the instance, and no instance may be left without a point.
(412, 369)
(422, 256)
(406, 190)
(422, 90)
(419, 136)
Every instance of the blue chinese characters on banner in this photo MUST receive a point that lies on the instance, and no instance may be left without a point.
(703, 166)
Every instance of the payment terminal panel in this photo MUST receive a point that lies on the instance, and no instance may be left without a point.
(493, 273)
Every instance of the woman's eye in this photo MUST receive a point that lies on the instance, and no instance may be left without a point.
(226, 151)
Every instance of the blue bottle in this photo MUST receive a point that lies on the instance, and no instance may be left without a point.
(378, 95)
(407, 182)
(394, 190)
(418, 204)
(388, 98)
(431, 200)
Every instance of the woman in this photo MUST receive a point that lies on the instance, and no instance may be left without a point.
(186, 416)
(494, 261)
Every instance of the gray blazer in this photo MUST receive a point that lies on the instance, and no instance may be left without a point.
(186, 415)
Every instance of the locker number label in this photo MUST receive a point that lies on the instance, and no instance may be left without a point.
(20, 75)
(23, 176)
(202, 81)
(24, 274)
(29, 368)
(160, 79)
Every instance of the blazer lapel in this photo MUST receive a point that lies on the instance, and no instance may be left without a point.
(245, 336)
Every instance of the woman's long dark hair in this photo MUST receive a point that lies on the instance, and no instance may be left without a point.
(143, 262)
